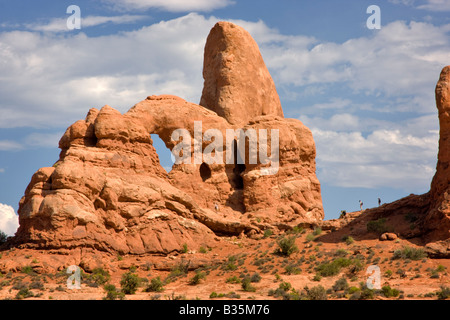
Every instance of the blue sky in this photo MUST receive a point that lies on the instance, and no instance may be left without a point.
(367, 95)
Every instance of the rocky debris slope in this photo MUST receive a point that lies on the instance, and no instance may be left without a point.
(109, 192)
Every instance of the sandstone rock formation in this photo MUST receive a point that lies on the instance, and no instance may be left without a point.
(238, 85)
(108, 190)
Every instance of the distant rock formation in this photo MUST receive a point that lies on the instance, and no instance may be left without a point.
(108, 190)
(431, 211)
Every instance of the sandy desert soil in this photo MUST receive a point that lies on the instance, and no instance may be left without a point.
(311, 272)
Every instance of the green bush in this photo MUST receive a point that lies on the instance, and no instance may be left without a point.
(247, 286)
(348, 240)
(328, 269)
(267, 233)
(316, 293)
(256, 277)
(156, 285)
(341, 285)
(409, 253)
(287, 246)
(317, 231)
(444, 293)
(112, 293)
(197, 278)
(389, 292)
(292, 269)
(24, 293)
(378, 226)
(233, 279)
(129, 283)
(27, 270)
(99, 276)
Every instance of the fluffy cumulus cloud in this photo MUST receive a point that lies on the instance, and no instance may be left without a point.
(53, 79)
(9, 221)
(170, 5)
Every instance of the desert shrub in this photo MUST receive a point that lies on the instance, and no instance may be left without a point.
(328, 269)
(129, 283)
(316, 293)
(348, 240)
(378, 226)
(287, 246)
(310, 237)
(389, 292)
(247, 285)
(409, 253)
(284, 291)
(27, 270)
(297, 230)
(317, 231)
(98, 277)
(197, 278)
(341, 285)
(156, 285)
(233, 279)
(179, 270)
(256, 277)
(24, 293)
(340, 253)
(292, 269)
(36, 284)
(112, 293)
(267, 233)
(444, 293)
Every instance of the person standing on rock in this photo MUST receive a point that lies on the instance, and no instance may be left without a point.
(216, 207)
(379, 202)
(361, 205)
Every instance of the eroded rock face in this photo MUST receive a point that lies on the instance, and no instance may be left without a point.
(108, 190)
(438, 218)
(237, 85)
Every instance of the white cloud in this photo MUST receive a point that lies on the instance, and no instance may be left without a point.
(398, 155)
(67, 74)
(7, 145)
(60, 24)
(388, 62)
(9, 220)
(436, 5)
(170, 5)
(43, 140)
